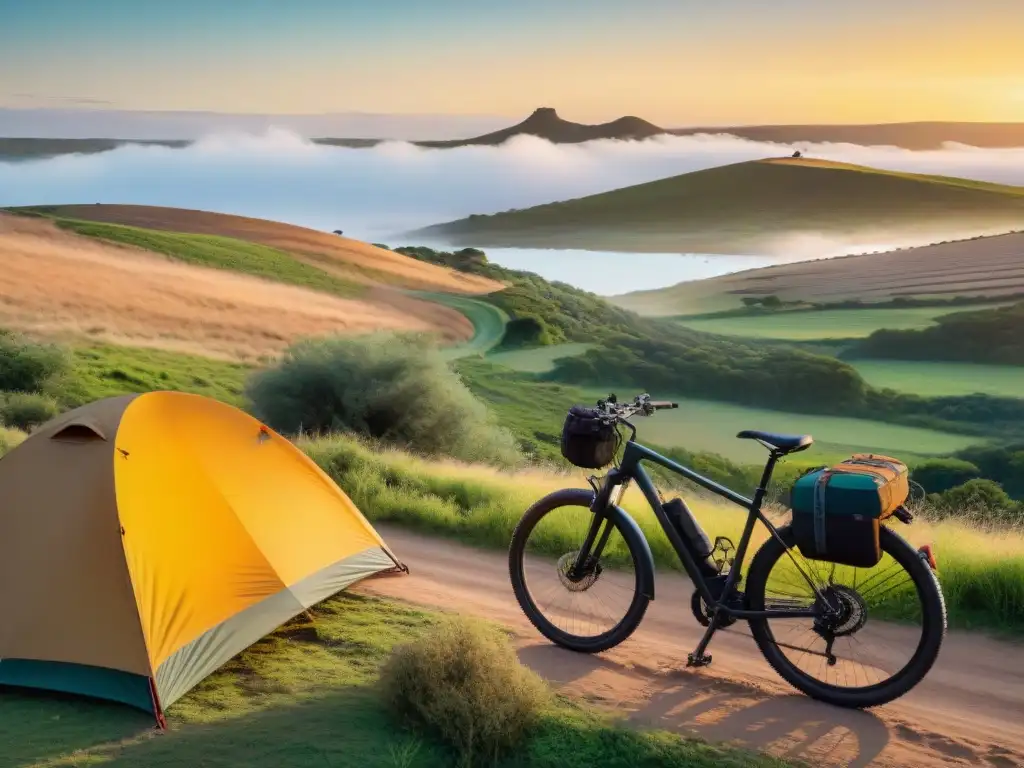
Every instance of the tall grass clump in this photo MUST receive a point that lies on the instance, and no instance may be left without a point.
(26, 410)
(463, 681)
(9, 439)
(392, 387)
(26, 366)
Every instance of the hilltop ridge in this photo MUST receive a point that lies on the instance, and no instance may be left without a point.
(546, 123)
(754, 207)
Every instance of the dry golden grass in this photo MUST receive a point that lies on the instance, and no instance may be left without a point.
(53, 283)
(987, 266)
(347, 258)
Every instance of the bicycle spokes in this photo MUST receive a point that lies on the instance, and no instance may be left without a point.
(581, 579)
(847, 644)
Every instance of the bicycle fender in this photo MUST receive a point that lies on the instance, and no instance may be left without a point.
(637, 540)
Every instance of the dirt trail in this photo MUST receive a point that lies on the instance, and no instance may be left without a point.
(968, 711)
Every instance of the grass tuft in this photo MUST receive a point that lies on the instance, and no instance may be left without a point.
(464, 682)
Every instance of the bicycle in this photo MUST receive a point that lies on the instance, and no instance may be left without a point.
(837, 606)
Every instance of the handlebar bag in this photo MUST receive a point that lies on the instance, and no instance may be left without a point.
(589, 440)
(838, 510)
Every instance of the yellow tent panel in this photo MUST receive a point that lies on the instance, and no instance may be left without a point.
(147, 539)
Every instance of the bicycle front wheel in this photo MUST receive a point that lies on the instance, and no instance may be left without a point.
(599, 608)
(881, 638)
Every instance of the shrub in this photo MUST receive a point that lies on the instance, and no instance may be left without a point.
(25, 410)
(28, 367)
(938, 475)
(978, 496)
(526, 331)
(392, 387)
(463, 681)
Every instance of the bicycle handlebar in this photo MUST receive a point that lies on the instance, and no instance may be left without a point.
(641, 404)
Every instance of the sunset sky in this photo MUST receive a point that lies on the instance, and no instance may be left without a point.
(674, 62)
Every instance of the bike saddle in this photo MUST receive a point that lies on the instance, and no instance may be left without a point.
(779, 443)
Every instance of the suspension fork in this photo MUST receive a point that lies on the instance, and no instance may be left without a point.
(609, 493)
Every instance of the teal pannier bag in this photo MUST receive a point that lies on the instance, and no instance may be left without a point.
(838, 510)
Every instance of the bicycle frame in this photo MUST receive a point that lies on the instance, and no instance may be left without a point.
(631, 468)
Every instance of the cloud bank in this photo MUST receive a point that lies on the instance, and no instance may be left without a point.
(393, 187)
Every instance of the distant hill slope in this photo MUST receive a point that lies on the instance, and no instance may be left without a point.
(915, 136)
(346, 258)
(985, 266)
(755, 207)
(547, 124)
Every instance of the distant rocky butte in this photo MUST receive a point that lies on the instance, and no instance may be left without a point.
(546, 123)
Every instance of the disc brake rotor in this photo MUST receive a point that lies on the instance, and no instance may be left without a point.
(585, 582)
(853, 610)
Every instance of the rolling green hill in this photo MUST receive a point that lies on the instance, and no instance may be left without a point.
(752, 207)
(979, 269)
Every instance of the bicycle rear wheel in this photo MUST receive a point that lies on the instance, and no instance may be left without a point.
(588, 614)
(890, 624)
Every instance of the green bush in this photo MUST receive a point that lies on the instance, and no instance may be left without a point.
(979, 499)
(938, 475)
(25, 410)
(392, 387)
(994, 336)
(527, 331)
(464, 682)
(30, 367)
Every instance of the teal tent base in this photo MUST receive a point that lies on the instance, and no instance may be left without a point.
(96, 682)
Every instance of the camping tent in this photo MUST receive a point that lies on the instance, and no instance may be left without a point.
(147, 539)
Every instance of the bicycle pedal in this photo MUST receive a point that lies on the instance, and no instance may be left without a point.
(692, 660)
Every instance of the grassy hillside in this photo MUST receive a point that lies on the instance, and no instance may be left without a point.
(535, 409)
(994, 336)
(343, 257)
(653, 353)
(807, 326)
(200, 293)
(219, 252)
(751, 208)
(537, 359)
(936, 379)
(916, 135)
(975, 268)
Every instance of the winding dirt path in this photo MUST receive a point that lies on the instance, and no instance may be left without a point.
(968, 711)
